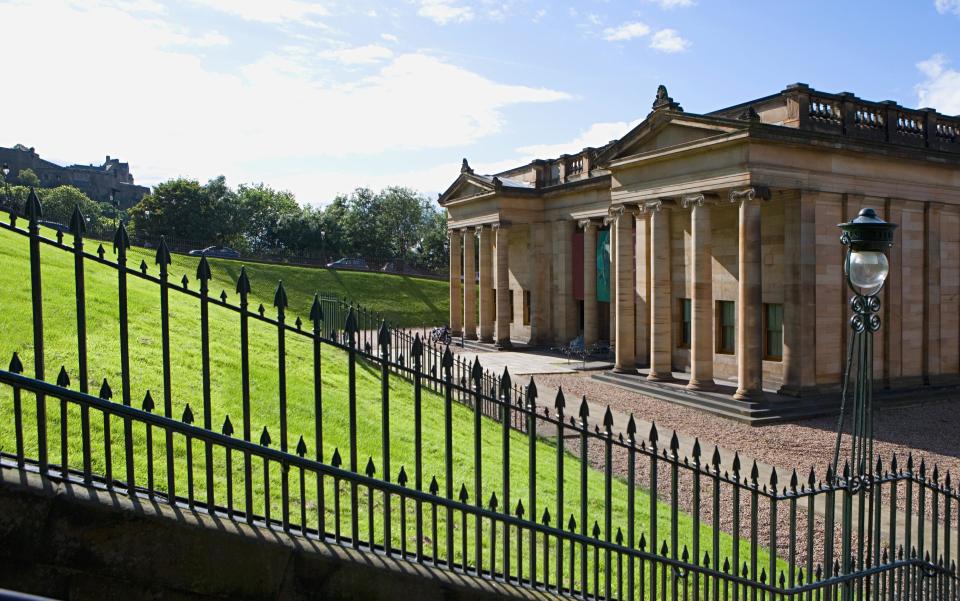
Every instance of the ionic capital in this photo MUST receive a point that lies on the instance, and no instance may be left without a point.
(690, 200)
(585, 223)
(749, 194)
(650, 206)
(500, 225)
(479, 228)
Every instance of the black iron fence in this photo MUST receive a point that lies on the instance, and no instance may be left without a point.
(599, 513)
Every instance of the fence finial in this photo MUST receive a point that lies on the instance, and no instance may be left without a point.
(243, 283)
(654, 436)
(608, 420)
(203, 271)
(227, 429)
(476, 371)
(265, 437)
(187, 415)
(584, 411)
(162, 258)
(15, 364)
(434, 486)
(532, 393)
(416, 349)
(78, 223)
(301, 447)
(383, 336)
(464, 496)
(148, 404)
(560, 402)
(631, 429)
(63, 379)
(121, 241)
(32, 209)
(280, 297)
(370, 469)
(316, 312)
(402, 476)
(105, 392)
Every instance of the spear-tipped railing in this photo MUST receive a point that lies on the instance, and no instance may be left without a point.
(622, 518)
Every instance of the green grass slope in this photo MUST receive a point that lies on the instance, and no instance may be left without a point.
(145, 370)
(405, 301)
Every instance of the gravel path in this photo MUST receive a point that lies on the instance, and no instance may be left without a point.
(929, 432)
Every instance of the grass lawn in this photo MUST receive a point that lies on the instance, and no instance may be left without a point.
(405, 301)
(390, 294)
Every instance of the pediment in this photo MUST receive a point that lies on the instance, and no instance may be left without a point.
(466, 185)
(659, 132)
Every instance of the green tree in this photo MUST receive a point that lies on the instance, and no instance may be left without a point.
(433, 250)
(261, 209)
(182, 208)
(400, 220)
(28, 178)
(58, 204)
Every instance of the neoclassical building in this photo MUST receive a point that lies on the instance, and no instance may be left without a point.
(705, 248)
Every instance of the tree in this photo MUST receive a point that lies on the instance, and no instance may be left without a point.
(261, 210)
(400, 220)
(182, 208)
(28, 178)
(58, 204)
(433, 251)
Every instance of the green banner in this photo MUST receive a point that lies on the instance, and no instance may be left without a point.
(603, 266)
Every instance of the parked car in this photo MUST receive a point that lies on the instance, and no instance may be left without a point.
(348, 263)
(219, 252)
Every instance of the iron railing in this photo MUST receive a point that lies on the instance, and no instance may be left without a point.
(656, 526)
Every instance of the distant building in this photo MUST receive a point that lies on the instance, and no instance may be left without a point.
(96, 181)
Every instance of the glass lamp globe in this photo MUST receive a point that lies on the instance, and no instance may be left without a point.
(867, 270)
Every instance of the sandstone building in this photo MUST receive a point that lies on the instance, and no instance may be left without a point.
(99, 182)
(719, 254)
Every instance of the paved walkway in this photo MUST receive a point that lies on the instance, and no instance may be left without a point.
(525, 364)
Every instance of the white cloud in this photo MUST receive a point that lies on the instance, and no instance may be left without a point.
(274, 11)
(207, 40)
(359, 55)
(596, 135)
(178, 115)
(540, 14)
(947, 6)
(389, 37)
(941, 87)
(669, 4)
(668, 40)
(626, 31)
(443, 12)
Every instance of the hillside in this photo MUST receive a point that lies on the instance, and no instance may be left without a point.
(145, 336)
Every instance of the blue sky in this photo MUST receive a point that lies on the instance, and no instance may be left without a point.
(319, 97)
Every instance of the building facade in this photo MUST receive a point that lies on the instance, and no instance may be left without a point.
(705, 247)
(108, 182)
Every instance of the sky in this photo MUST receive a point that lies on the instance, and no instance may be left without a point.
(321, 97)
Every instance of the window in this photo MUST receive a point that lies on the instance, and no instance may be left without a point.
(526, 307)
(773, 332)
(685, 324)
(726, 327)
(510, 302)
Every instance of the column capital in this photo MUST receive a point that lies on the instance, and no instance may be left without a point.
(651, 206)
(749, 194)
(468, 231)
(615, 212)
(500, 225)
(690, 200)
(585, 223)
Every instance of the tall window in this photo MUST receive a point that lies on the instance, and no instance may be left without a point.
(726, 327)
(510, 301)
(773, 332)
(526, 307)
(686, 327)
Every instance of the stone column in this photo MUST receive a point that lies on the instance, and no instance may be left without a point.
(590, 325)
(539, 261)
(749, 299)
(503, 287)
(624, 290)
(701, 303)
(561, 281)
(469, 286)
(456, 294)
(642, 298)
(800, 306)
(486, 284)
(661, 318)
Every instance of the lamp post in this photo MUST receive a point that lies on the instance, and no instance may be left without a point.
(866, 237)
(6, 184)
